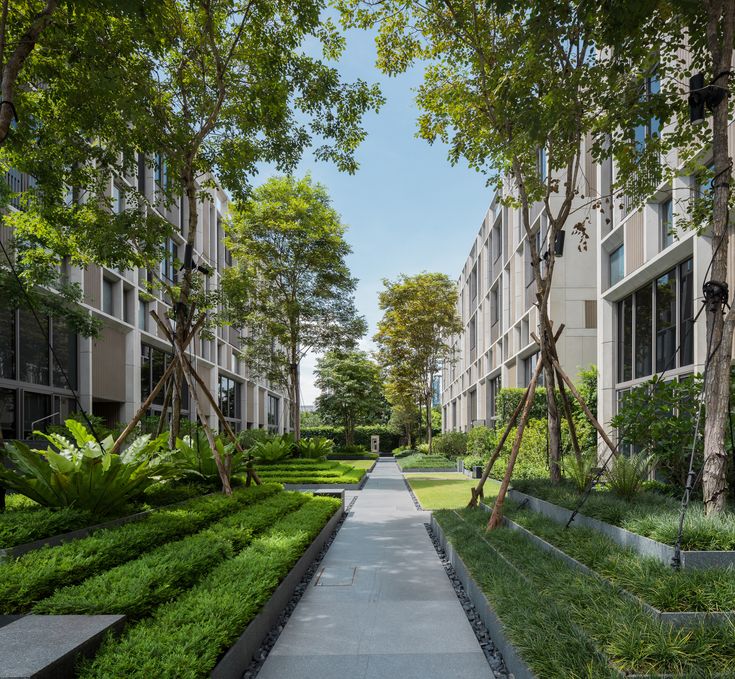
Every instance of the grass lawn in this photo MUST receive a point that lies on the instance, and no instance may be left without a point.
(446, 490)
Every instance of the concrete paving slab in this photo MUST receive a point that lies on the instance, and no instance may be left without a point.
(47, 645)
(388, 609)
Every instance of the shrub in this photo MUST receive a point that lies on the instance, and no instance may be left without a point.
(509, 397)
(84, 474)
(421, 461)
(580, 471)
(388, 438)
(137, 587)
(481, 441)
(36, 574)
(249, 437)
(405, 453)
(193, 631)
(273, 450)
(193, 457)
(451, 444)
(626, 474)
(532, 457)
(315, 448)
(423, 448)
(353, 449)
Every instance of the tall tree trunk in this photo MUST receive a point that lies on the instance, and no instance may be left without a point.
(295, 396)
(720, 31)
(429, 432)
(177, 387)
(349, 432)
(553, 423)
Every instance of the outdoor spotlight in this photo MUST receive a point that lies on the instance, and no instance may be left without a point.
(701, 95)
(559, 243)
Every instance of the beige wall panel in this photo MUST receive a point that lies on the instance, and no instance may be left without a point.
(108, 366)
(634, 242)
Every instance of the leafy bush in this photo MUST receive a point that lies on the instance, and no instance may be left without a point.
(274, 450)
(194, 630)
(471, 461)
(86, 475)
(451, 444)
(36, 574)
(532, 458)
(580, 471)
(509, 397)
(193, 457)
(353, 449)
(423, 448)
(388, 439)
(249, 437)
(481, 441)
(652, 420)
(405, 453)
(315, 448)
(626, 474)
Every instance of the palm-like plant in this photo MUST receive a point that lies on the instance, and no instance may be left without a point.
(316, 447)
(84, 473)
(193, 457)
(274, 450)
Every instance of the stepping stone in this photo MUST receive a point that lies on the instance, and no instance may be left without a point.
(41, 646)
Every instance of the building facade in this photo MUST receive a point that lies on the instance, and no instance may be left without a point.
(497, 296)
(114, 373)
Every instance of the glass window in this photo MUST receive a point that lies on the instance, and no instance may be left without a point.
(665, 321)
(8, 413)
(7, 343)
(643, 332)
(108, 297)
(145, 371)
(625, 339)
(617, 265)
(158, 367)
(34, 351)
(142, 314)
(36, 413)
(118, 201)
(686, 313)
(666, 220)
(65, 348)
(273, 402)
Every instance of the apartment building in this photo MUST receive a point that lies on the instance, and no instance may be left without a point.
(114, 373)
(497, 296)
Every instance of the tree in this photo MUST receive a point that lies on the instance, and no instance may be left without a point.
(675, 40)
(507, 86)
(290, 286)
(404, 416)
(234, 88)
(419, 316)
(351, 390)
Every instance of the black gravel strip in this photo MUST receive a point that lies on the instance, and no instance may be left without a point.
(270, 640)
(416, 502)
(493, 656)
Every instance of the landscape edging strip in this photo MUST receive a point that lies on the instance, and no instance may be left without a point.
(237, 659)
(625, 538)
(513, 661)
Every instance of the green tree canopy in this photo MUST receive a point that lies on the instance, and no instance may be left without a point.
(291, 286)
(351, 390)
(419, 316)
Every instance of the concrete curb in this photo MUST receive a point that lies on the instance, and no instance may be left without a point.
(237, 659)
(625, 538)
(513, 660)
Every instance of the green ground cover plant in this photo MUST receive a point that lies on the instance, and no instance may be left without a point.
(650, 514)
(358, 464)
(135, 588)
(404, 452)
(446, 490)
(711, 589)
(310, 471)
(37, 574)
(421, 461)
(185, 637)
(568, 624)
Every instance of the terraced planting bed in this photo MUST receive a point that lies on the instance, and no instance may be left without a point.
(595, 621)
(421, 462)
(308, 472)
(188, 580)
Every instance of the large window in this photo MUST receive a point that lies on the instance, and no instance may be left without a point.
(7, 344)
(666, 222)
(108, 296)
(653, 322)
(617, 265)
(229, 397)
(273, 408)
(37, 412)
(153, 363)
(65, 348)
(34, 351)
(8, 413)
(651, 126)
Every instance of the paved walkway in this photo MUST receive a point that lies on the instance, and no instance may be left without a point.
(380, 606)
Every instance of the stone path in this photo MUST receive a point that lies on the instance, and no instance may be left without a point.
(380, 606)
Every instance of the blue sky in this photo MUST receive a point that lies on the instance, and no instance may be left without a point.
(407, 209)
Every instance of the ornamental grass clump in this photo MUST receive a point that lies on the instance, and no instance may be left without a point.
(626, 475)
(85, 474)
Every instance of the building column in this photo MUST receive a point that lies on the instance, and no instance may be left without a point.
(132, 375)
(85, 372)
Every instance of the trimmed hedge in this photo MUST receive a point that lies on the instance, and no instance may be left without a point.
(388, 438)
(186, 637)
(36, 574)
(421, 461)
(137, 587)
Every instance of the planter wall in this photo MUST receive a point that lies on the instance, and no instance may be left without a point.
(625, 538)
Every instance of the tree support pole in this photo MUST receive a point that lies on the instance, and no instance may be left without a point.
(477, 492)
(497, 516)
(583, 405)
